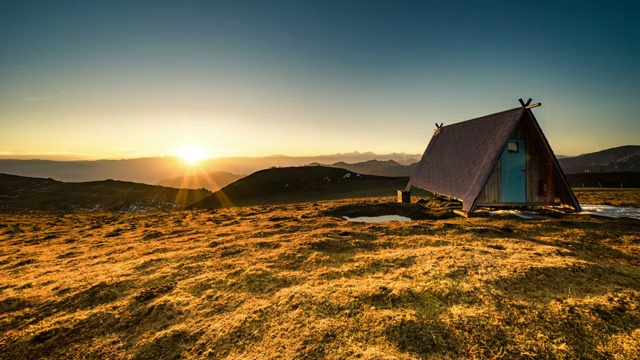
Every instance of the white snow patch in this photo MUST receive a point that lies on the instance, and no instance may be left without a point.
(598, 210)
(377, 219)
(346, 176)
(519, 213)
(611, 211)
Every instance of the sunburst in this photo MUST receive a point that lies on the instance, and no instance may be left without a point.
(192, 154)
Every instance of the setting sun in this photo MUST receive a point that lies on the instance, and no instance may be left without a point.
(192, 154)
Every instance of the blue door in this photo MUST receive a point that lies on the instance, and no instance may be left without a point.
(513, 172)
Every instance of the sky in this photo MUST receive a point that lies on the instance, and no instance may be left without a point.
(124, 79)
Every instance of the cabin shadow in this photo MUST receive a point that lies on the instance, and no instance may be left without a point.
(416, 211)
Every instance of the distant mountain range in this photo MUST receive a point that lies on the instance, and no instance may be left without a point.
(376, 167)
(619, 159)
(155, 170)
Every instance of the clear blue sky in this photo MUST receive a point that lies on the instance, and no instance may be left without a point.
(119, 79)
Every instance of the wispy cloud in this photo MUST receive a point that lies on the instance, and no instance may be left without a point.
(46, 97)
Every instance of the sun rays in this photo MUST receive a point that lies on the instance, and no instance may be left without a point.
(194, 157)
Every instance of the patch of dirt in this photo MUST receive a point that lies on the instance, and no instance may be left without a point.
(152, 235)
(153, 292)
(24, 263)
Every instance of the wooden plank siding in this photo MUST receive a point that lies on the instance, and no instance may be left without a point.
(491, 191)
(557, 180)
(539, 163)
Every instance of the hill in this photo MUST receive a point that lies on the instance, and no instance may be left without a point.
(400, 170)
(366, 167)
(212, 181)
(18, 193)
(619, 159)
(143, 170)
(299, 184)
(299, 282)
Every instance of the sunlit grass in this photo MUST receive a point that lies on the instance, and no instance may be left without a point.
(297, 281)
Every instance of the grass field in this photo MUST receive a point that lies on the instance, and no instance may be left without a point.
(297, 281)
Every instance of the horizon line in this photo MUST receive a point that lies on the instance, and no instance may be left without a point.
(78, 158)
(62, 157)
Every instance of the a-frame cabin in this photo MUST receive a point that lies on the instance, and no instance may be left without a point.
(499, 160)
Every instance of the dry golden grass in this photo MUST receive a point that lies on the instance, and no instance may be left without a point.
(608, 196)
(294, 282)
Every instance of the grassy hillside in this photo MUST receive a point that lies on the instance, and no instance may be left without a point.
(299, 184)
(212, 181)
(18, 193)
(297, 281)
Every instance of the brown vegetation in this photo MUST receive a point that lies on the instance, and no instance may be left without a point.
(297, 281)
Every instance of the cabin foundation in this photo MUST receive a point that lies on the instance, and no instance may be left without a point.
(404, 196)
